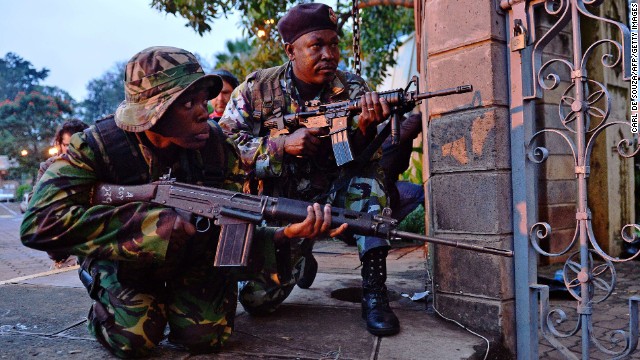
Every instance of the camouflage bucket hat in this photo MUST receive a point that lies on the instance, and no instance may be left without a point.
(154, 78)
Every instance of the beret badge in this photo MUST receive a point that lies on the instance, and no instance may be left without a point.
(332, 16)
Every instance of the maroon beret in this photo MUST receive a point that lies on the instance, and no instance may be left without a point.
(305, 18)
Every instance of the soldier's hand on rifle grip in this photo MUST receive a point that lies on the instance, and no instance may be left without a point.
(182, 230)
(304, 141)
(375, 110)
(317, 223)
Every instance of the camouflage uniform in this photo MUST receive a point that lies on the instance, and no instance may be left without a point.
(141, 279)
(281, 174)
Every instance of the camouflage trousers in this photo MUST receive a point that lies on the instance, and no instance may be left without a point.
(198, 304)
(133, 302)
(267, 292)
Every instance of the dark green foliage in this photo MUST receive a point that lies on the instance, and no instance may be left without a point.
(104, 95)
(21, 190)
(244, 56)
(379, 47)
(414, 222)
(29, 113)
(253, 52)
(31, 120)
(18, 75)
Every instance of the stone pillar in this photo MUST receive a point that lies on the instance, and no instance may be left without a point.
(469, 170)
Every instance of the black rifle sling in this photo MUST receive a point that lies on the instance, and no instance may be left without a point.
(364, 158)
(214, 157)
(114, 144)
(118, 155)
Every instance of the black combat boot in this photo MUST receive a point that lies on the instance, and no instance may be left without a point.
(376, 311)
(310, 266)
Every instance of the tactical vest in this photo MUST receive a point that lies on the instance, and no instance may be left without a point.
(267, 97)
(268, 100)
(119, 159)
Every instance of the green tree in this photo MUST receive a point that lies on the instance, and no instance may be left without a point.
(259, 19)
(29, 112)
(243, 56)
(30, 122)
(18, 75)
(104, 94)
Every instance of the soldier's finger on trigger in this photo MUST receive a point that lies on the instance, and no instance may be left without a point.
(314, 140)
(385, 106)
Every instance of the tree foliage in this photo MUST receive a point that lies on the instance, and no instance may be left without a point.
(244, 56)
(29, 112)
(18, 75)
(260, 18)
(30, 121)
(104, 95)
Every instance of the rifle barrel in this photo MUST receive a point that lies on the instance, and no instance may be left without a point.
(453, 243)
(444, 92)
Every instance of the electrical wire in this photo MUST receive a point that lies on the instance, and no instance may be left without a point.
(454, 321)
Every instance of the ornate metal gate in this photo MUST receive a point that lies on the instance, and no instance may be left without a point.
(584, 112)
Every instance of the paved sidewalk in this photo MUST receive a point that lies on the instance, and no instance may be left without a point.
(608, 316)
(44, 315)
(43, 312)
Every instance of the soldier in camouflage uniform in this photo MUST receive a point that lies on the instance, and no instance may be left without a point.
(148, 266)
(300, 164)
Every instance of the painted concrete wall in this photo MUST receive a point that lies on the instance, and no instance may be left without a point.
(469, 171)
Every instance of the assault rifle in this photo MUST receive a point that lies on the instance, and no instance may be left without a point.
(335, 116)
(237, 213)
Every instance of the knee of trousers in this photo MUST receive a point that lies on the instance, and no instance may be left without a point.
(124, 341)
(367, 243)
(262, 297)
(203, 338)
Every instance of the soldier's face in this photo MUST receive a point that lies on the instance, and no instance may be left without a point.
(220, 102)
(185, 122)
(64, 145)
(315, 56)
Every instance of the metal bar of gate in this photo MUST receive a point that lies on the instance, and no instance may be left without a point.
(524, 187)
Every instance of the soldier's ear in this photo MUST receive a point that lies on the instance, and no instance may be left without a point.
(288, 49)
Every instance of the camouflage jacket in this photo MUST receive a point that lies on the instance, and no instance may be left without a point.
(265, 154)
(60, 217)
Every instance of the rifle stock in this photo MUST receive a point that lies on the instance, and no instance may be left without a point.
(238, 213)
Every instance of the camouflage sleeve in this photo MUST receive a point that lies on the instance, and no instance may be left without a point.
(60, 217)
(45, 165)
(262, 154)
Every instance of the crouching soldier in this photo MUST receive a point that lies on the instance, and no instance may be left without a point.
(148, 266)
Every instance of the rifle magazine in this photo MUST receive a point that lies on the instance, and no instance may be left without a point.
(234, 245)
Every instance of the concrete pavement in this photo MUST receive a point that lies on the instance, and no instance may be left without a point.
(43, 313)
